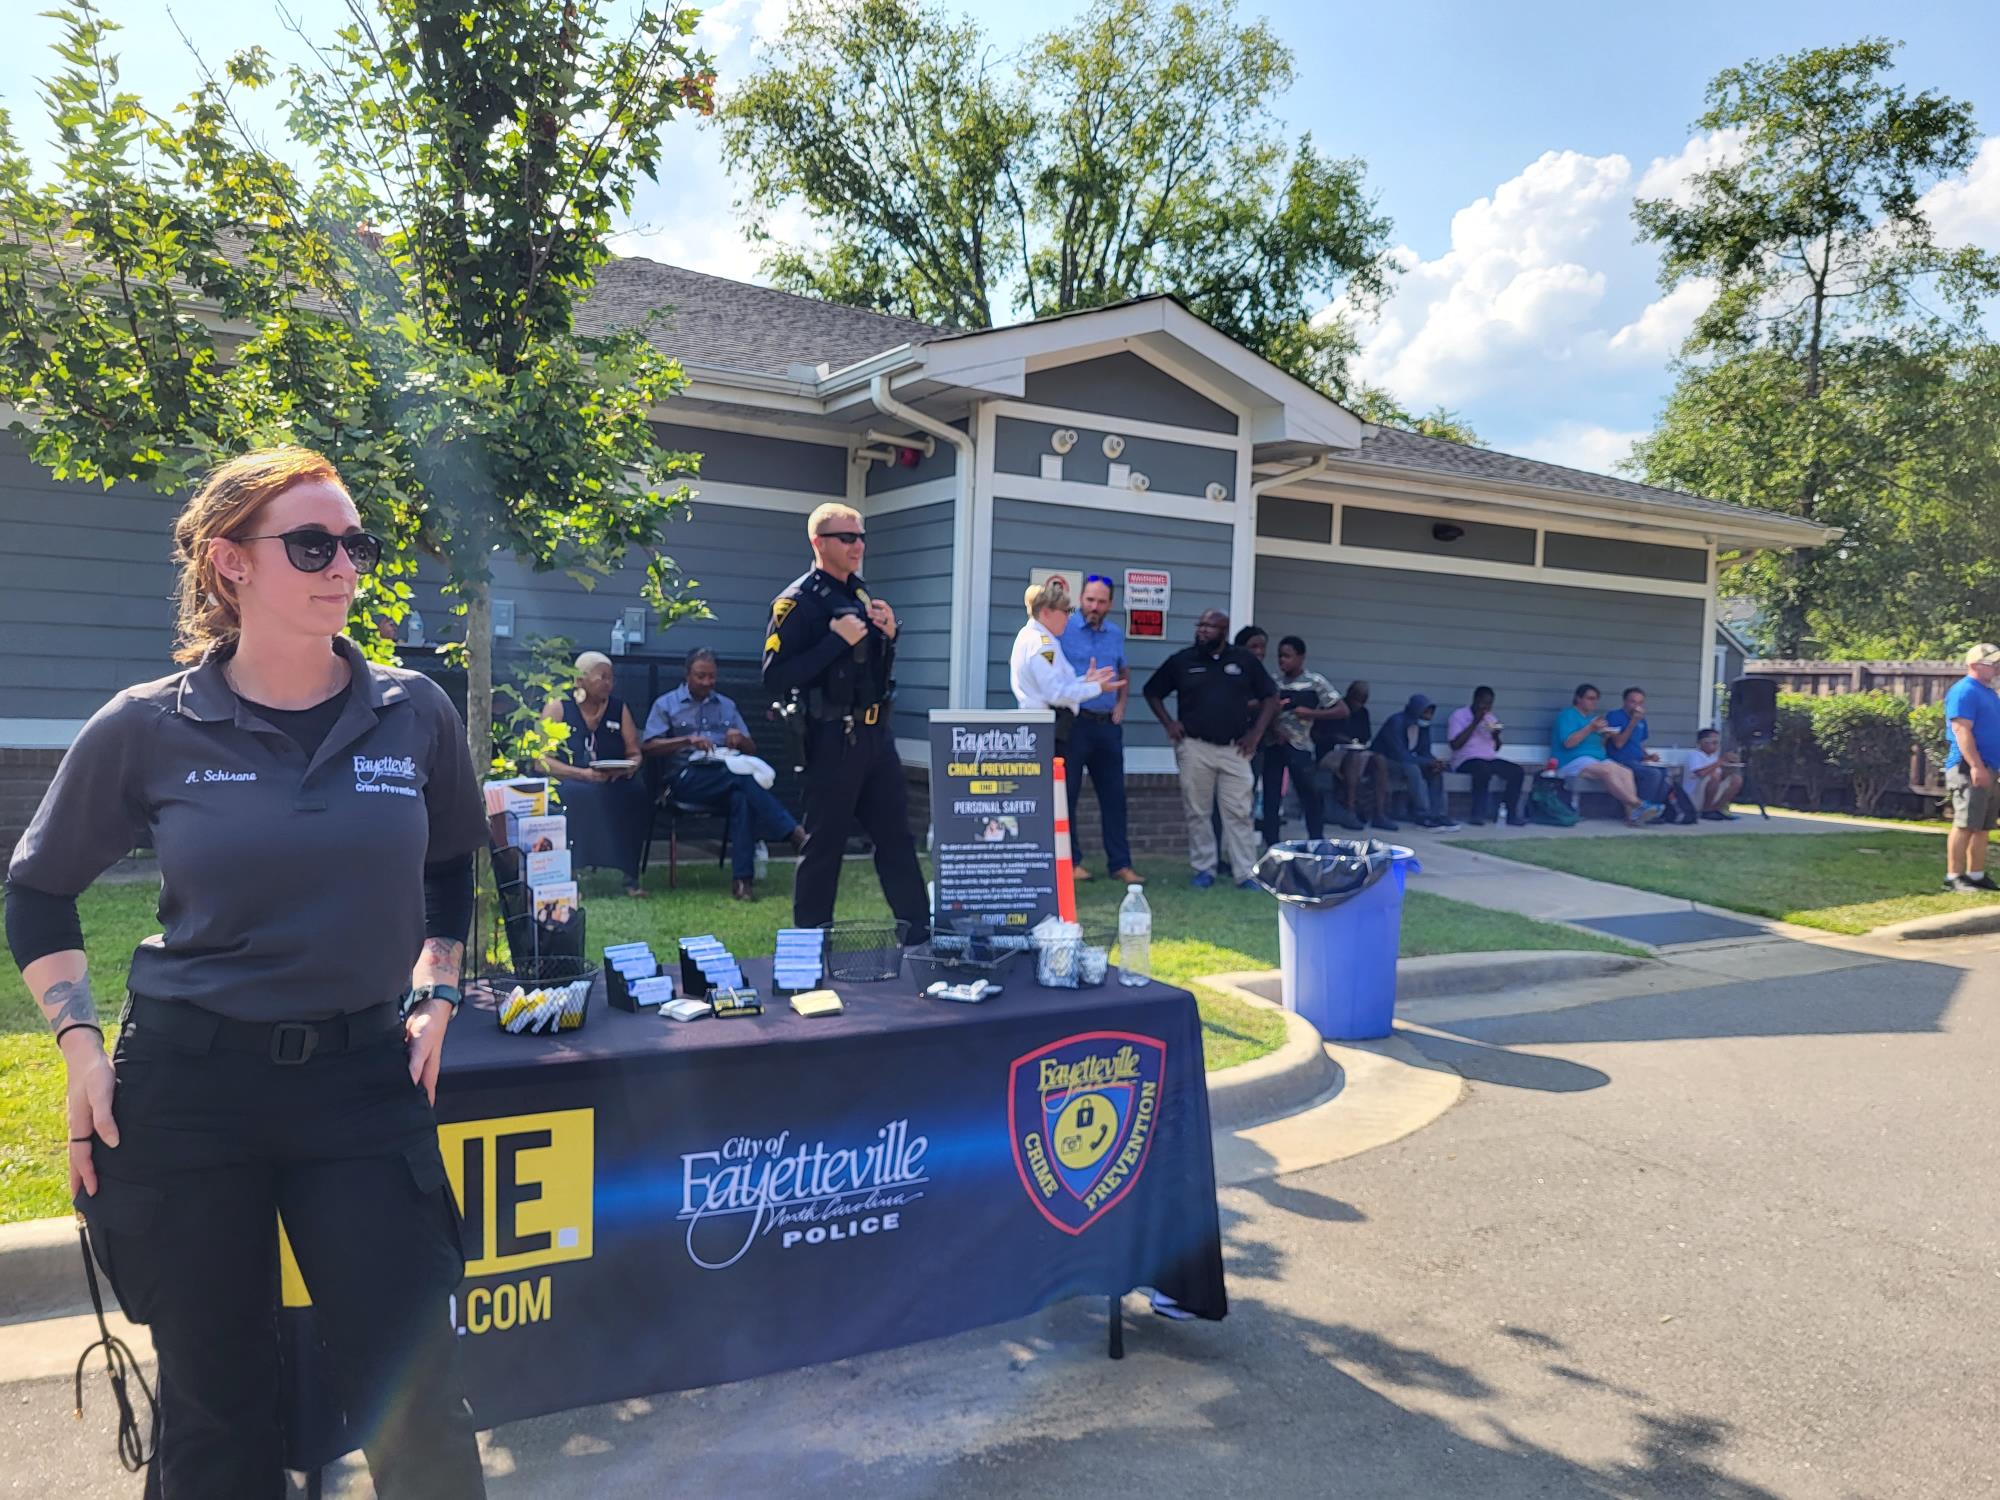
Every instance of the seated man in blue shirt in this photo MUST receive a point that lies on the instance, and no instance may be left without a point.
(1404, 741)
(1625, 742)
(688, 725)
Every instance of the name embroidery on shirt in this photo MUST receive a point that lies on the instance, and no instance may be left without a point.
(195, 778)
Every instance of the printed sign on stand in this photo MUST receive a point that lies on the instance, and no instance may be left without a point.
(993, 825)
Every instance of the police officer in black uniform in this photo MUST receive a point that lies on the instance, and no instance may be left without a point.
(833, 646)
(315, 817)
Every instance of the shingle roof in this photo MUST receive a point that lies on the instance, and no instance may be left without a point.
(1395, 448)
(715, 321)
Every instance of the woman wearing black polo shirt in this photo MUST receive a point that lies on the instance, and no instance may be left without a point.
(315, 818)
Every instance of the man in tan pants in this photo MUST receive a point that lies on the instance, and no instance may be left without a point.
(1225, 701)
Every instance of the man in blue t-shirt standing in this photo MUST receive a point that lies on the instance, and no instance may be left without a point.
(1097, 739)
(1972, 722)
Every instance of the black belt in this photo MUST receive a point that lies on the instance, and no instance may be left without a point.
(287, 1042)
(1207, 741)
(1095, 713)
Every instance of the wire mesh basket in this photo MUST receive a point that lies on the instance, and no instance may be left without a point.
(551, 972)
(864, 952)
(957, 963)
(1079, 962)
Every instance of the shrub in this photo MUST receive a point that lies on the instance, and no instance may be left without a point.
(1868, 737)
(1794, 757)
(1928, 728)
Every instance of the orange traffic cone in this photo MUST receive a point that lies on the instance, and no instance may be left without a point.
(1065, 870)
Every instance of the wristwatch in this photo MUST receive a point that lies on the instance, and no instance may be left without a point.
(449, 993)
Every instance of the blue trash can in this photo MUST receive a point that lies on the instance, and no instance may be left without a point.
(1338, 951)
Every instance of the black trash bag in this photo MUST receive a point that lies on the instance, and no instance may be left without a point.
(1323, 872)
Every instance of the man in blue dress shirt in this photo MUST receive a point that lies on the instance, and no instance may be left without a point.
(689, 726)
(1097, 740)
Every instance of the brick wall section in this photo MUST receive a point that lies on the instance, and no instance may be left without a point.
(24, 776)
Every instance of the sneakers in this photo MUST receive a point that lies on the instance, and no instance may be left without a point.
(1712, 815)
(1386, 825)
(1248, 885)
(1970, 885)
(1644, 813)
(1203, 879)
(1437, 825)
(1346, 820)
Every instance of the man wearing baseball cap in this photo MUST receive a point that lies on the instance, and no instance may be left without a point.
(1972, 712)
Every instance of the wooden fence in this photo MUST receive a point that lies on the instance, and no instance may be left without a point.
(1918, 682)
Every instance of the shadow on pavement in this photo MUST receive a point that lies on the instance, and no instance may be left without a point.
(1911, 997)
(1515, 1070)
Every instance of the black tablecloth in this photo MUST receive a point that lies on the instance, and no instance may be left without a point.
(652, 1205)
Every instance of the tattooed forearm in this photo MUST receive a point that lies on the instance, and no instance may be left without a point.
(439, 963)
(68, 1002)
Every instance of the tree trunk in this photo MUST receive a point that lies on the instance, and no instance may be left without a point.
(479, 673)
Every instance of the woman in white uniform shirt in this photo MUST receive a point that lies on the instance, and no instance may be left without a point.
(1041, 675)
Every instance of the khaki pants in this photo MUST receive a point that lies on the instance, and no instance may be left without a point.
(1216, 775)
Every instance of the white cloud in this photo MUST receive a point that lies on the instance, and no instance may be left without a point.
(1659, 331)
(1581, 445)
(1543, 293)
(722, 25)
(1673, 176)
(1966, 210)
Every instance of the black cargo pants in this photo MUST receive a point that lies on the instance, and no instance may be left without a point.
(855, 782)
(216, 1140)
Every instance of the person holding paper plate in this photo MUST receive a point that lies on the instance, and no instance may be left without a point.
(609, 820)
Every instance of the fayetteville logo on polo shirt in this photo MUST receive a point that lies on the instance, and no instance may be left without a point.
(1081, 1113)
(376, 773)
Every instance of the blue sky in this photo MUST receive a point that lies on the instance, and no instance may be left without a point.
(1505, 141)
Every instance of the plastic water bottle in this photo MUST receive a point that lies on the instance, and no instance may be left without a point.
(1503, 814)
(618, 636)
(1135, 938)
(763, 859)
(413, 629)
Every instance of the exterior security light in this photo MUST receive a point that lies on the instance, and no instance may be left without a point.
(1444, 531)
(1113, 445)
(1063, 439)
(1138, 482)
(1217, 492)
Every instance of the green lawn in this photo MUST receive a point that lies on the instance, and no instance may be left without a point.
(1842, 882)
(1197, 932)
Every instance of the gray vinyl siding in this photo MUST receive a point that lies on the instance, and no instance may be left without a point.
(86, 586)
(942, 463)
(1124, 385)
(1172, 468)
(1532, 643)
(1410, 531)
(734, 559)
(1028, 534)
(1603, 554)
(909, 565)
(752, 458)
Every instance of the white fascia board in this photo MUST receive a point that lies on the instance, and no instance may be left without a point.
(1554, 504)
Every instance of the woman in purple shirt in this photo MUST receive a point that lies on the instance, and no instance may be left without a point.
(1474, 736)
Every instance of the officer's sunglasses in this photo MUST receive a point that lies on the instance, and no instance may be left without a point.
(849, 537)
(311, 549)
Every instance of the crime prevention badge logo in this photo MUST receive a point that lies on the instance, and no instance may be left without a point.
(1081, 1114)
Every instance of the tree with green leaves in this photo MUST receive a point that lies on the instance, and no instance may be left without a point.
(397, 289)
(1134, 151)
(1839, 373)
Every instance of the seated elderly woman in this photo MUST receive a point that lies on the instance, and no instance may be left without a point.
(609, 816)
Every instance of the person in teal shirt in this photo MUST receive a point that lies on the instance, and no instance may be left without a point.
(1578, 749)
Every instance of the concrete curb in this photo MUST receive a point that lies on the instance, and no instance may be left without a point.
(1951, 924)
(1279, 1082)
(1461, 974)
(41, 1270)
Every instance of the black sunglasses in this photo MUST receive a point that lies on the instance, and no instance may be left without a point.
(311, 549)
(849, 537)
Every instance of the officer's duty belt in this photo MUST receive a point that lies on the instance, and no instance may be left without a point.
(289, 1042)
